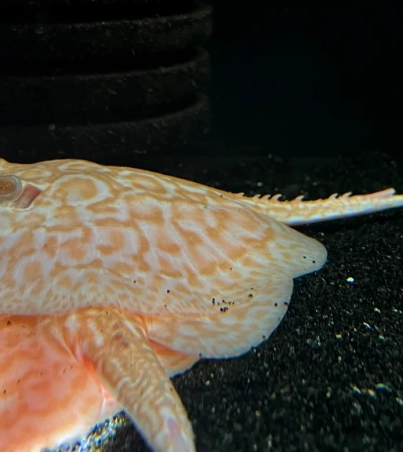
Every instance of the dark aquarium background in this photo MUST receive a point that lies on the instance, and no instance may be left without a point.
(130, 81)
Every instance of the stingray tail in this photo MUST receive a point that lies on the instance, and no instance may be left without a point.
(297, 211)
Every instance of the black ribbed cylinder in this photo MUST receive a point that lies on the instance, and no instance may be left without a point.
(102, 80)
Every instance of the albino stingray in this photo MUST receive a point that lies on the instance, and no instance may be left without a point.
(114, 279)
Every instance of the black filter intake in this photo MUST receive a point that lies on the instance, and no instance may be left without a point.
(102, 80)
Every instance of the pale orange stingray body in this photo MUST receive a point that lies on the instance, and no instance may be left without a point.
(114, 279)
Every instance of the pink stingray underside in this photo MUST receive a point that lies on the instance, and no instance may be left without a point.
(48, 396)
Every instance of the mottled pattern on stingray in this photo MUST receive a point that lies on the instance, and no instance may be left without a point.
(231, 333)
(130, 235)
(48, 395)
(129, 368)
(50, 390)
(174, 362)
(115, 279)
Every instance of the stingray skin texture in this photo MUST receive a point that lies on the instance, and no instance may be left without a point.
(114, 279)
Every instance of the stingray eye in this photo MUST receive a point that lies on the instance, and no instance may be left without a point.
(10, 187)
